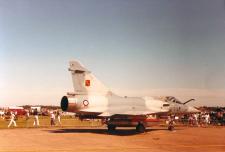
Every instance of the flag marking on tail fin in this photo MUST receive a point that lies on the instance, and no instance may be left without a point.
(87, 83)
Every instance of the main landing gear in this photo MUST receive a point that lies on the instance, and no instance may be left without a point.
(111, 128)
(140, 128)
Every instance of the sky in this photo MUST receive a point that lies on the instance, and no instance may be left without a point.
(136, 48)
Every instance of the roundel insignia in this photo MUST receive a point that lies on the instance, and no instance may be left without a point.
(85, 103)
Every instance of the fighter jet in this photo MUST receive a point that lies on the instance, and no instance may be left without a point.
(92, 99)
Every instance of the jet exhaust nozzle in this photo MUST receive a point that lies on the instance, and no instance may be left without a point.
(68, 104)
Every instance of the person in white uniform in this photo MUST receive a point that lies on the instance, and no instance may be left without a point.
(12, 120)
(27, 117)
(58, 114)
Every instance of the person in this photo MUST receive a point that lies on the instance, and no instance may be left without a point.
(16, 116)
(52, 115)
(27, 117)
(58, 115)
(196, 119)
(2, 114)
(171, 122)
(12, 120)
(190, 120)
(207, 119)
(36, 121)
(220, 117)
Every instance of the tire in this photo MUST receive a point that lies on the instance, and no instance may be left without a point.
(111, 128)
(140, 128)
(171, 128)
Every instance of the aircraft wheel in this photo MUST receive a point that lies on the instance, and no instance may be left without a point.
(111, 128)
(140, 128)
(171, 128)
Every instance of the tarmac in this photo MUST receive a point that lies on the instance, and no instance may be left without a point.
(159, 139)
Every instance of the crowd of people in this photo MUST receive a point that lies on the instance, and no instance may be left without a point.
(199, 119)
(204, 119)
(55, 118)
(195, 119)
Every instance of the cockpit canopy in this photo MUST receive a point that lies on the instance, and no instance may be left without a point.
(172, 99)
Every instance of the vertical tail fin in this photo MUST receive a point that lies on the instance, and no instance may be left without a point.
(84, 81)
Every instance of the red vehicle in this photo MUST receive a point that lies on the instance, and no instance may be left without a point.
(18, 110)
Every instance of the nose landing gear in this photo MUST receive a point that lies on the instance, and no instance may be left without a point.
(171, 122)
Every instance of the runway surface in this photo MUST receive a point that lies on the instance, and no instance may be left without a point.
(194, 139)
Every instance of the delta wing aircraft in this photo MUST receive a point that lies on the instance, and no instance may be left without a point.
(91, 99)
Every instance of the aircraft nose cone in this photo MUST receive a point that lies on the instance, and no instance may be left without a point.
(192, 110)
